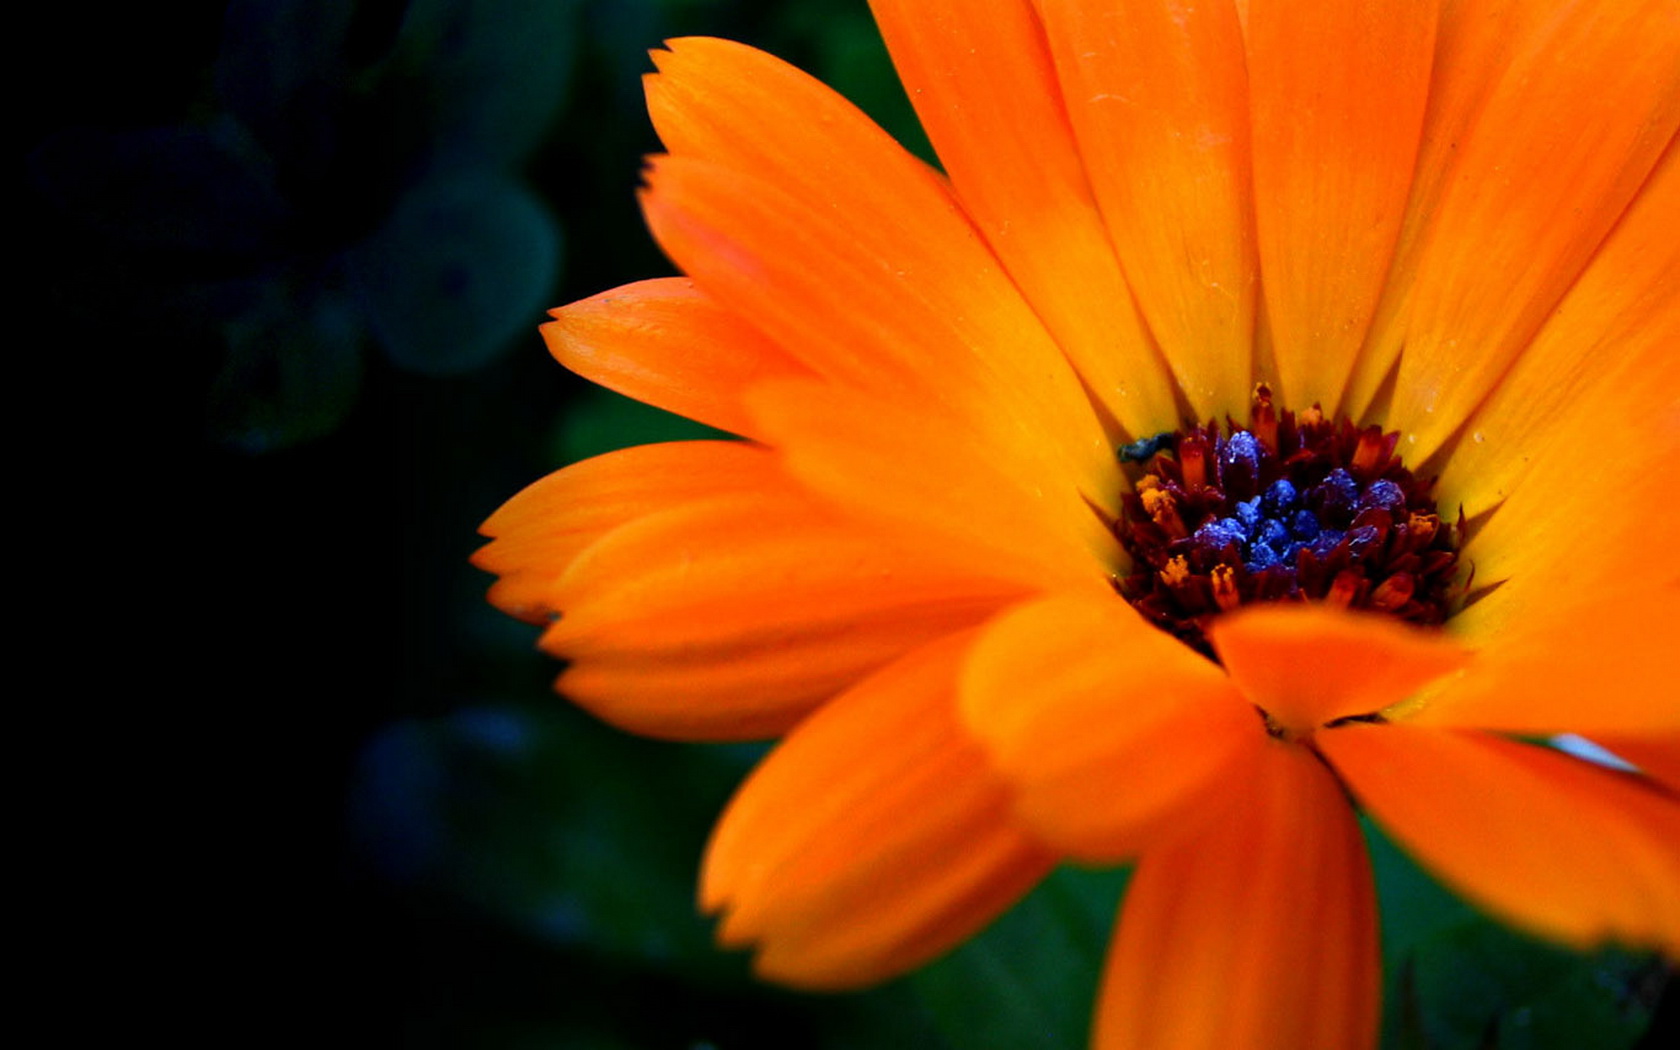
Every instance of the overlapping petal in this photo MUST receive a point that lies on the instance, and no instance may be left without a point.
(1456, 220)
(1307, 665)
(1581, 853)
(1157, 94)
(897, 466)
(1259, 931)
(849, 253)
(665, 343)
(1602, 364)
(1601, 664)
(1337, 93)
(986, 92)
(732, 618)
(1111, 732)
(1540, 131)
(538, 533)
(873, 838)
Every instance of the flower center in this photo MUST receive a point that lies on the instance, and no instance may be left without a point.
(1292, 507)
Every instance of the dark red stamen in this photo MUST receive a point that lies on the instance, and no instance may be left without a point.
(1292, 507)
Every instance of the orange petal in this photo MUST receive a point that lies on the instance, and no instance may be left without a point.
(1602, 664)
(1109, 730)
(540, 531)
(1259, 932)
(1307, 665)
(1565, 848)
(1547, 139)
(1598, 372)
(985, 89)
(731, 619)
(1656, 754)
(792, 209)
(872, 839)
(665, 343)
(1158, 97)
(1571, 537)
(1337, 92)
(1002, 509)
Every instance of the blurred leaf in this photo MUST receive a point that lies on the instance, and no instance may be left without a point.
(463, 264)
(1457, 980)
(1028, 982)
(566, 829)
(281, 68)
(496, 72)
(292, 369)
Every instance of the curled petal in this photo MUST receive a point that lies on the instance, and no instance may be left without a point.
(1110, 731)
(1306, 665)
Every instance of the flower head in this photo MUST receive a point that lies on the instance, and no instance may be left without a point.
(1273, 403)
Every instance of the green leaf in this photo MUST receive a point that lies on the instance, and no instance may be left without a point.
(601, 421)
(1457, 980)
(1028, 981)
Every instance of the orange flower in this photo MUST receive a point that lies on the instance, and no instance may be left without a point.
(926, 565)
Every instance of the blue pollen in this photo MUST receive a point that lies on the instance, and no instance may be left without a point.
(1304, 525)
(1273, 534)
(1384, 494)
(1336, 497)
(1279, 499)
(1241, 453)
(1219, 533)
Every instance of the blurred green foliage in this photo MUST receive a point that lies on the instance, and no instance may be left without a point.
(342, 221)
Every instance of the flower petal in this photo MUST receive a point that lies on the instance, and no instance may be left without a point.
(1257, 932)
(665, 343)
(1600, 665)
(792, 209)
(1109, 730)
(541, 530)
(1002, 510)
(1157, 95)
(985, 89)
(1603, 364)
(1574, 851)
(872, 839)
(1307, 665)
(730, 619)
(1541, 129)
(1656, 754)
(1337, 92)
